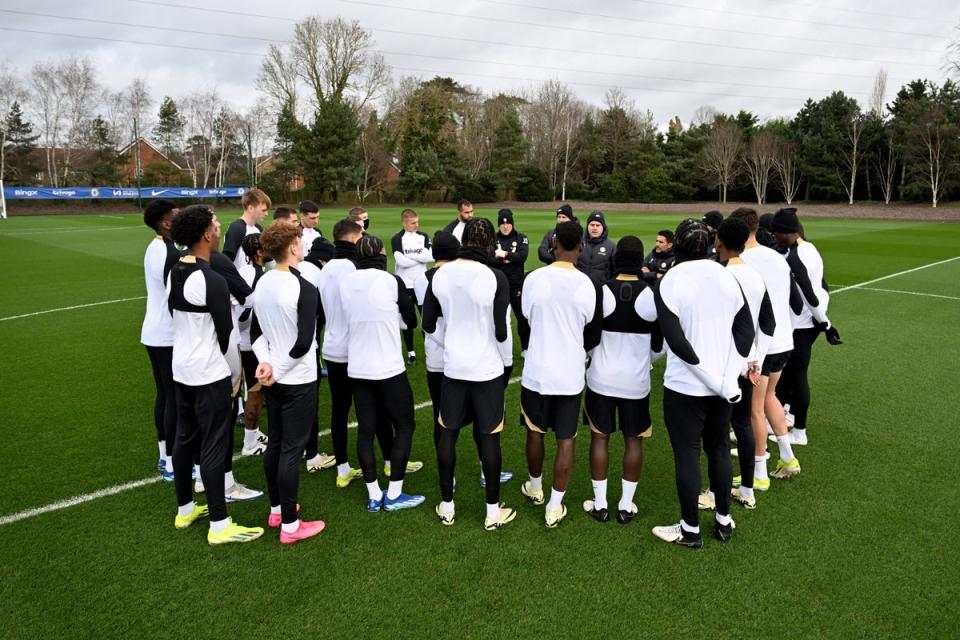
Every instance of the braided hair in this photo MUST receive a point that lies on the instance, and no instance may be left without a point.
(478, 233)
(691, 240)
(369, 246)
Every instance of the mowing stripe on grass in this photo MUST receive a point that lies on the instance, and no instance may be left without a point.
(136, 484)
(860, 285)
(911, 293)
(76, 306)
(34, 232)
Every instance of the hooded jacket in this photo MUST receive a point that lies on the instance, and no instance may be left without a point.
(597, 258)
(517, 247)
(658, 263)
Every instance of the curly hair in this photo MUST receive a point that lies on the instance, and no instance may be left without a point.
(277, 239)
(154, 212)
(569, 235)
(190, 224)
(250, 245)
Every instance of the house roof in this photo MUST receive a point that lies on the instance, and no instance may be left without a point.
(155, 149)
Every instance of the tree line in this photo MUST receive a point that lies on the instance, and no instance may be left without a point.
(331, 122)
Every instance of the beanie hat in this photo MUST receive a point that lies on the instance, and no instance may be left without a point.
(766, 221)
(786, 221)
(320, 251)
(713, 219)
(691, 240)
(445, 246)
(629, 256)
(567, 210)
(504, 216)
(596, 216)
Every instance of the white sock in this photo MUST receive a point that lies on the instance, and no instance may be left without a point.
(394, 489)
(228, 480)
(556, 499)
(343, 469)
(746, 492)
(168, 463)
(185, 510)
(712, 495)
(600, 494)
(275, 511)
(163, 448)
(373, 491)
(411, 353)
(483, 478)
(250, 437)
(626, 501)
(688, 528)
(219, 525)
(786, 451)
(196, 471)
(290, 528)
(536, 483)
(493, 511)
(315, 458)
(724, 520)
(446, 507)
(760, 467)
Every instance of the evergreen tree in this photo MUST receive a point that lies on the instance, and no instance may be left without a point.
(508, 156)
(168, 131)
(18, 138)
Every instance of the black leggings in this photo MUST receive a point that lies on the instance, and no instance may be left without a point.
(408, 332)
(488, 446)
(740, 418)
(341, 397)
(165, 404)
(688, 419)
(313, 437)
(204, 419)
(794, 387)
(384, 405)
(291, 414)
(523, 327)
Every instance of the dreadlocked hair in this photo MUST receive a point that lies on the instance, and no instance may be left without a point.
(691, 240)
(369, 246)
(478, 234)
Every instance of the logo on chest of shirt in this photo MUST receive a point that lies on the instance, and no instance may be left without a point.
(603, 250)
(514, 245)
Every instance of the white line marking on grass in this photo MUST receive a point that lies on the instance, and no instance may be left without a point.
(37, 232)
(76, 306)
(136, 484)
(911, 293)
(893, 275)
(113, 217)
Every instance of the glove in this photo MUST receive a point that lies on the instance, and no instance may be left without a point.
(833, 336)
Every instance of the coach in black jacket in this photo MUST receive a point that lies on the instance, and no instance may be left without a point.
(596, 259)
(564, 214)
(660, 259)
(510, 254)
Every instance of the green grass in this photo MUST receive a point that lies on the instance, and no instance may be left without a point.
(860, 545)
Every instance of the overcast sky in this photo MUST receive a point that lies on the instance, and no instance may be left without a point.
(670, 56)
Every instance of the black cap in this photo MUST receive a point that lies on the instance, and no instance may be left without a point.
(713, 219)
(309, 206)
(504, 216)
(596, 216)
(566, 210)
(445, 246)
(786, 221)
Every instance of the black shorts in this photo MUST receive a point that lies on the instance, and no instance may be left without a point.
(542, 413)
(604, 413)
(250, 363)
(465, 401)
(774, 363)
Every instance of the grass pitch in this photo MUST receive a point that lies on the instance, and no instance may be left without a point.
(859, 545)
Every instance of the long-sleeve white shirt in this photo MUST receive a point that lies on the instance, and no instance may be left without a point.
(284, 325)
(776, 277)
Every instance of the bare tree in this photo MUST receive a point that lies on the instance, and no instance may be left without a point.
(553, 118)
(200, 112)
(759, 160)
(278, 78)
(952, 62)
(138, 103)
(878, 94)
(258, 128)
(705, 114)
(48, 97)
(79, 82)
(886, 165)
(937, 137)
(787, 167)
(11, 91)
(720, 154)
(850, 155)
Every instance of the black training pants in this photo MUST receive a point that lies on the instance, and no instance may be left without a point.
(386, 402)
(690, 419)
(165, 404)
(204, 420)
(794, 387)
(434, 385)
(291, 414)
(740, 418)
(341, 397)
(523, 327)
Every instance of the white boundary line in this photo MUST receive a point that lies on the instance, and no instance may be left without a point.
(38, 232)
(911, 293)
(861, 285)
(76, 306)
(136, 484)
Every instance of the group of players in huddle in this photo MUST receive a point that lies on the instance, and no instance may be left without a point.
(734, 304)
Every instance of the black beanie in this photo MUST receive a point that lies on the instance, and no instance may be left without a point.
(629, 256)
(596, 216)
(766, 221)
(320, 251)
(713, 219)
(504, 216)
(567, 210)
(786, 221)
(691, 240)
(445, 246)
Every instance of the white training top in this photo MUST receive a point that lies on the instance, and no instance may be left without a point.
(411, 255)
(202, 323)
(754, 291)
(703, 315)
(157, 329)
(371, 315)
(284, 326)
(245, 315)
(310, 272)
(306, 240)
(770, 265)
(334, 346)
(236, 232)
(620, 364)
(471, 297)
(558, 301)
(457, 230)
(814, 307)
(432, 342)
